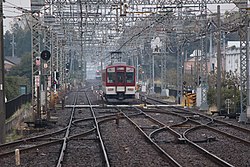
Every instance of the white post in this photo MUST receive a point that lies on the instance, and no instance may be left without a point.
(153, 71)
(17, 157)
(137, 69)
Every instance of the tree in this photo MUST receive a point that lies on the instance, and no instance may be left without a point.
(229, 90)
(22, 73)
(23, 69)
(12, 86)
(18, 75)
(22, 37)
(7, 43)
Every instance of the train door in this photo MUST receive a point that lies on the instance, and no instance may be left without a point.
(130, 76)
(120, 79)
(110, 80)
(130, 81)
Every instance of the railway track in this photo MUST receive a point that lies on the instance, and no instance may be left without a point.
(56, 147)
(83, 140)
(179, 144)
(214, 135)
(109, 135)
(220, 144)
(126, 146)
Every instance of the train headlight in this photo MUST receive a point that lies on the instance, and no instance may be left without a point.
(110, 89)
(130, 89)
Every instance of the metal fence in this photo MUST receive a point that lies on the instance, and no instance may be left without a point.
(13, 105)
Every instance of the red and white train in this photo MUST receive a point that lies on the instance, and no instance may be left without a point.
(118, 83)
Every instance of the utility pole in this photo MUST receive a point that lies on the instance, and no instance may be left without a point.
(2, 95)
(13, 44)
(218, 81)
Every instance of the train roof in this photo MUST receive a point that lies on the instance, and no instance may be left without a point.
(119, 64)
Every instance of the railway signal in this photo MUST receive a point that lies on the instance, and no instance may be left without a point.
(45, 55)
(55, 83)
(67, 67)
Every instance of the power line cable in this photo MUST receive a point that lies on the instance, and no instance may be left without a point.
(158, 20)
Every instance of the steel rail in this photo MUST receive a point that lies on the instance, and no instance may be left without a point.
(64, 145)
(216, 158)
(32, 147)
(220, 132)
(33, 138)
(171, 160)
(214, 120)
(232, 125)
(99, 134)
(212, 156)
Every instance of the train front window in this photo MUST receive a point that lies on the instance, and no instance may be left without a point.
(111, 77)
(129, 77)
(120, 77)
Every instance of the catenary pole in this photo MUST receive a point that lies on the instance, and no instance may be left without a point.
(2, 96)
(218, 87)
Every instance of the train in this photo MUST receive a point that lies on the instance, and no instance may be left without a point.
(98, 74)
(119, 83)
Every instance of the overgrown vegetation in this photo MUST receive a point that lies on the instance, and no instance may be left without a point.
(12, 85)
(21, 74)
(229, 90)
(23, 69)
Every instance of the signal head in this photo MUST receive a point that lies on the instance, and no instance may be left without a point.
(45, 55)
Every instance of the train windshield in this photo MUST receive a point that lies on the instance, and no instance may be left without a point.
(129, 77)
(120, 77)
(111, 77)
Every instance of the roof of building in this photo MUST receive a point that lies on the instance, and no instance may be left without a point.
(13, 60)
(233, 43)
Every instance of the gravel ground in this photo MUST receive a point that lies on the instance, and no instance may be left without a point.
(232, 151)
(126, 147)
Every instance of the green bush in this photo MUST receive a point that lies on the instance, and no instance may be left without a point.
(12, 86)
(229, 90)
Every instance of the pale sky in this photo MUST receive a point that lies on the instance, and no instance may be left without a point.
(10, 12)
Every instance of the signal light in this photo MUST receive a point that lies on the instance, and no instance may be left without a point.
(45, 55)
(38, 62)
(67, 66)
(55, 83)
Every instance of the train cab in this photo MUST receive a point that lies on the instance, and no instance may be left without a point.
(118, 82)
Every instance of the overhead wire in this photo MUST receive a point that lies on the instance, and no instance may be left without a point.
(158, 20)
(14, 6)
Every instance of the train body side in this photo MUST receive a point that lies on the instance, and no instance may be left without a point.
(118, 83)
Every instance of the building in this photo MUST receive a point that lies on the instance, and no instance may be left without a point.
(230, 60)
(10, 62)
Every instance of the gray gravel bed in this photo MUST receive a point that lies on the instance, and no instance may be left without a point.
(233, 131)
(230, 150)
(166, 118)
(186, 155)
(85, 152)
(126, 147)
(44, 157)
